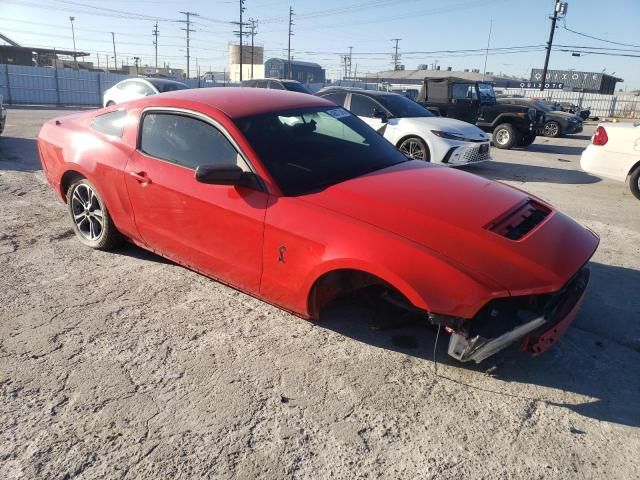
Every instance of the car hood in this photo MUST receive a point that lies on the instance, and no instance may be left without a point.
(562, 115)
(451, 125)
(448, 212)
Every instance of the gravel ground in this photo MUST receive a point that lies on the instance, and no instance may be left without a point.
(122, 365)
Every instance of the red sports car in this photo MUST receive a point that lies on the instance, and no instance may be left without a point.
(294, 200)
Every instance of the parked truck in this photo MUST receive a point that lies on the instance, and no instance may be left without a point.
(475, 102)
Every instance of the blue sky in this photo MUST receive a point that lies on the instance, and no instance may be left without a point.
(324, 30)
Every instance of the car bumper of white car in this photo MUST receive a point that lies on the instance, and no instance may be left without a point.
(467, 153)
(595, 159)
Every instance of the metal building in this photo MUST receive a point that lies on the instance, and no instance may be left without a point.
(305, 72)
(587, 82)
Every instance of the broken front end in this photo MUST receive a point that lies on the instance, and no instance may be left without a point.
(536, 321)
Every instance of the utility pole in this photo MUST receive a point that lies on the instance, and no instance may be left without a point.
(350, 52)
(115, 58)
(290, 33)
(155, 33)
(98, 57)
(73, 35)
(559, 8)
(486, 54)
(396, 58)
(254, 25)
(188, 30)
(241, 34)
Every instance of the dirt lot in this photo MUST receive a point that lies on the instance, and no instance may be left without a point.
(121, 365)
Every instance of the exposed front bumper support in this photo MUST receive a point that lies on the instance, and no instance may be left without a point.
(478, 348)
(537, 334)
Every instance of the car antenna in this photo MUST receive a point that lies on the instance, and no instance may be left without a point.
(435, 347)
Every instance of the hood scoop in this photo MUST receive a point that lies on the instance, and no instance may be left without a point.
(519, 221)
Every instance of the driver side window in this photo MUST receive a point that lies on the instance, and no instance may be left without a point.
(186, 141)
(463, 91)
(362, 106)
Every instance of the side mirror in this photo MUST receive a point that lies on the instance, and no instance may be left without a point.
(226, 175)
(381, 114)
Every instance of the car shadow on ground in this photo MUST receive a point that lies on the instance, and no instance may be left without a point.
(19, 154)
(133, 251)
(517, 172)
(595, 366)
(554, 149)
(579, 137)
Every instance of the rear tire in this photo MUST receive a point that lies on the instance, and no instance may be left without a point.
(109, 103)
(90, 218)
(634, 182)
(504, 136)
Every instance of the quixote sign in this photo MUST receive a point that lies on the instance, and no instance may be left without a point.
(548, 85)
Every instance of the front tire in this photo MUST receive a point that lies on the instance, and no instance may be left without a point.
(634, 182)
(91, 221)
(415, 148)
(109, 103)
(551, 129)
(504, 136)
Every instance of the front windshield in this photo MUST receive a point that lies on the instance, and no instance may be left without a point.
(543, 106)
(487, 94)
(402, 107)
(308, 149)
(296, 87)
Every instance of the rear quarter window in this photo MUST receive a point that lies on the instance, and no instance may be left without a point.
(111, 124)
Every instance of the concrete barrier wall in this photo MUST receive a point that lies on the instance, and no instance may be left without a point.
(20, 85)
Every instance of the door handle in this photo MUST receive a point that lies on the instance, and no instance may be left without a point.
(141, 177)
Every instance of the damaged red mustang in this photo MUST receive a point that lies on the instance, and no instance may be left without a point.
(298, 202)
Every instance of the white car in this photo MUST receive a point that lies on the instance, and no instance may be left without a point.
(135, 88)
(615, 153)
(418, 133)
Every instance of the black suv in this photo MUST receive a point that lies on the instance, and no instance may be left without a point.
(556, 124)
(475, 102)
(276, 84)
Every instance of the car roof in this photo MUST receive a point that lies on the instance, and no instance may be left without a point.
(282, 80)
(238, 102)
(370, 93)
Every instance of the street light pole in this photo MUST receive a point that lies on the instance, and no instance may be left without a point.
(73, 35)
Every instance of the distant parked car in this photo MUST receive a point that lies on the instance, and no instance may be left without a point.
(135, 88)
(3, 114)
(276, 84)
(572, 108)
(615, 153)
(556, 124)
(417, 132)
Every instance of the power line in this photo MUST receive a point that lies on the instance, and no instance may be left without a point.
(600, 39)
